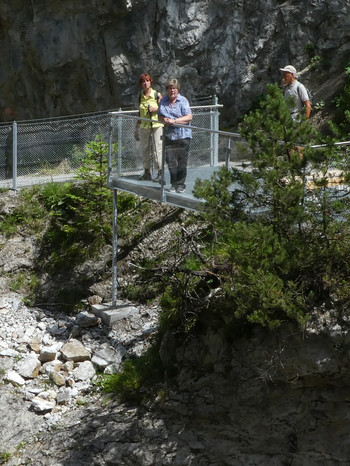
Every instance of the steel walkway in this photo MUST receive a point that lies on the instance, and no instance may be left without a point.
(151, 190)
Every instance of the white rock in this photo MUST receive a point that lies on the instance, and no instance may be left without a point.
(99, 362)
(64, 395)
(85, 371)
(27, 336)
(29, 367)
(14, 378)
(40, 405)
(75, 351)
(49, 395)
(57, 378)
(35, 390)
(9, 352)
(49, 366)
(68, 366)
(47, 339)
(48, 353)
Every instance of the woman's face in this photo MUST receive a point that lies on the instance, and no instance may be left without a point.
(146, 84)
(172, 92)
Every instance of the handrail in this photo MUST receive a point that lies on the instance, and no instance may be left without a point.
(226, 133)
(214, 131)
(341, 143)
(191, 106)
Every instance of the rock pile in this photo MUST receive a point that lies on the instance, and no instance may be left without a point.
(53, 359)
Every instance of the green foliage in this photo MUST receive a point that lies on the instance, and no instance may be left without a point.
(5, 456)
(170, 317)
(76, 155)
(309, 47)
(136, 373)
(315, 62)
(278, 244)
(340, 125)
(72, 223)
(25, 282)
(97, 196)
(81, 212)
(26, 217)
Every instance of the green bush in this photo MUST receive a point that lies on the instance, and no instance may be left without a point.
(282, 241)
(136, 373)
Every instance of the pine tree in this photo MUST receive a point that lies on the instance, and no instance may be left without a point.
(280, 239)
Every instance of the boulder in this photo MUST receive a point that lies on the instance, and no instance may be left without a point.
(48, 353)
(40, 405)
(75, 351)
(29, 367)
(14, 378)
(84, 371)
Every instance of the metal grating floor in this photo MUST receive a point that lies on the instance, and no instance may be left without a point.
(151, 190)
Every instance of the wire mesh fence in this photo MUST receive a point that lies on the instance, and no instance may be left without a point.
(126, 154)
(36, 152)
(39, 151)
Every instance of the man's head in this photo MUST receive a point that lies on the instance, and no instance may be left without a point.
(289, 74)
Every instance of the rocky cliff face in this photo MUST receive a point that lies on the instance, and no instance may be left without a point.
(239, 397)
(269, 398)
(61, 58)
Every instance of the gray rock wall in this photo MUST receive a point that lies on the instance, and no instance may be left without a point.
(61, 58)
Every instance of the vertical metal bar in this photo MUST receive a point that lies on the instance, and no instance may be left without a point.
(214, 137)
(228, 153)
(110, 152)
(120, 145)
(14, 156)
(115, 248)
(162, 181)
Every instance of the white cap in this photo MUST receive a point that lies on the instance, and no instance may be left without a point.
(290, 69)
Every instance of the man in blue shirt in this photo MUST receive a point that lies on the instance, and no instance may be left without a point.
(174, 109)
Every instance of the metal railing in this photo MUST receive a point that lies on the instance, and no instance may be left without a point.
(210, 148)
(127, 159)
(39, 151)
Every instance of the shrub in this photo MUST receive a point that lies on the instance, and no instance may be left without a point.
(282, 241)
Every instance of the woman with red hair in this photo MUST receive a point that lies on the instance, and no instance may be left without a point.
(149, 132)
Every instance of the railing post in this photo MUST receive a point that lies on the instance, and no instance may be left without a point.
(120, 145)
(214, 137)
(228, 154)
(110, 151)
(115, 248)
(162, 180)
(14, 156)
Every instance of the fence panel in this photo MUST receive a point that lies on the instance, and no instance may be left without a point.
(47, 150)
(39, 151)
(6, 147)
(126, 157)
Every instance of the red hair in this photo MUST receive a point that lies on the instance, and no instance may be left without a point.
(145, 76)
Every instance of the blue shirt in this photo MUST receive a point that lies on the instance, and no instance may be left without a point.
(180, 108)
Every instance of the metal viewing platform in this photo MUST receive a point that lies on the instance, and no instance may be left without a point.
(210, 149)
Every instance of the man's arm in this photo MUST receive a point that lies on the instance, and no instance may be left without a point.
(308, 108)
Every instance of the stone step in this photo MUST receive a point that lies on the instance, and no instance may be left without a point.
(110, 314)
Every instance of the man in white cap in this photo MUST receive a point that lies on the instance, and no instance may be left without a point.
(295, 90)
